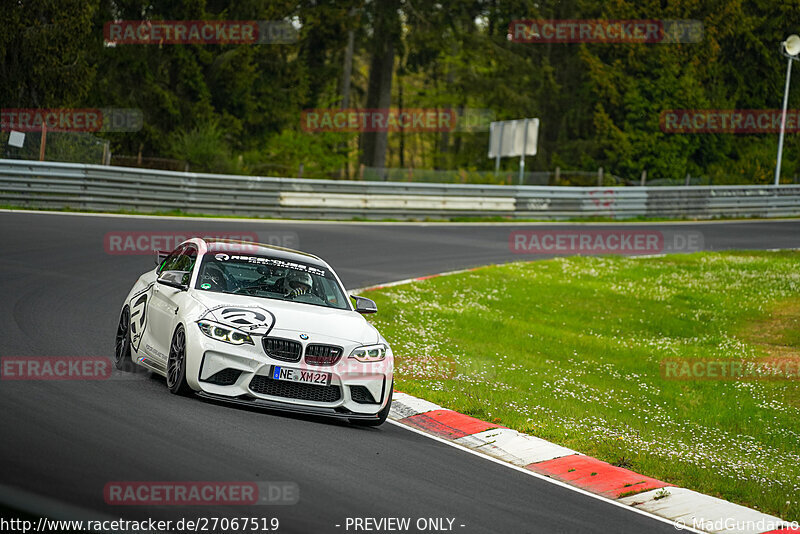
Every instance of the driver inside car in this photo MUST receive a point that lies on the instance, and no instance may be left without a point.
(213, 273)
(297, 283)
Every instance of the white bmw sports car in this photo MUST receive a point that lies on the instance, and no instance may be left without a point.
(257, 325)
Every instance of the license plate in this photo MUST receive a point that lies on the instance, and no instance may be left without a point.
(300, 375)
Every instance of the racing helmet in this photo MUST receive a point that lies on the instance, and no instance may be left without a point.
(297, 280)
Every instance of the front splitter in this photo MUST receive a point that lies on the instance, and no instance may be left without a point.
(290, 408)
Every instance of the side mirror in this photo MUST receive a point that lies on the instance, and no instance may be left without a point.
(176, 279)
(364, 305)
(161, 255)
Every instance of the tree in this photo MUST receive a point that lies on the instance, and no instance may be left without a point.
(385, 37)
(44, 57)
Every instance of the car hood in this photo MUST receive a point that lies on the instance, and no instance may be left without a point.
(260, 316)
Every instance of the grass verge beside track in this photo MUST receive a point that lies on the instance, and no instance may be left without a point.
(570, 350)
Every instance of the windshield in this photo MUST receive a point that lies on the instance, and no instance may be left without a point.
(270, 277)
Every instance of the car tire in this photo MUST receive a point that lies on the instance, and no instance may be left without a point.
(176, 364)
(382, 415)
(122, 342)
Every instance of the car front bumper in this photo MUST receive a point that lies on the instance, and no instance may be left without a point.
(356, 389)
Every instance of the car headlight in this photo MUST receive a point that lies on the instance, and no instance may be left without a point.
(224, 333)
(371, 353)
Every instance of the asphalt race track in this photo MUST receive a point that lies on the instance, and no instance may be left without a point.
(61, 295)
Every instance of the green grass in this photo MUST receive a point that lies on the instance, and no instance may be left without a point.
(569, 350)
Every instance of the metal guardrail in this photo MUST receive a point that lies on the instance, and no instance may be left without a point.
(36, 184)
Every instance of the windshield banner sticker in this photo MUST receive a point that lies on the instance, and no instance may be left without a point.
(260, 260)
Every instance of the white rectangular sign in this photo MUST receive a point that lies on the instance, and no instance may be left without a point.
(509, 138)
(16, 139)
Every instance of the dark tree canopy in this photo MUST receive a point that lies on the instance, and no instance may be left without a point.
(238, 108)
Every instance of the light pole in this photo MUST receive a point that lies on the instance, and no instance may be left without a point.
(790, 48)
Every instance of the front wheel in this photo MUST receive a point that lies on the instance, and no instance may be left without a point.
(122, 348)
(176, 364)
(382, 415)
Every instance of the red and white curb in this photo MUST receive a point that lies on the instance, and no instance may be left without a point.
(688, 510)
(409, 281)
